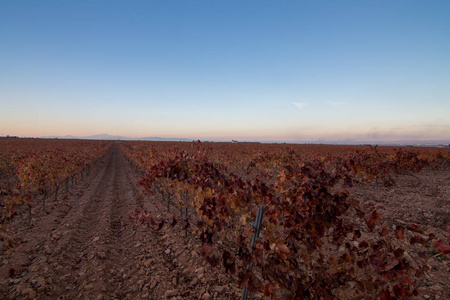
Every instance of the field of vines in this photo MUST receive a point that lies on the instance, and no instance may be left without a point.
(33, 170)
(283, 220)
(198, 220)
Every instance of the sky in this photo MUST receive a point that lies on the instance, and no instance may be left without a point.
(254, 70)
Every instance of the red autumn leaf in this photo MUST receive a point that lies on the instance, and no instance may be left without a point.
(210, 254)
(229, 262)
(405, 280)
(418, 240)
(213, 259)
(392, 264)
(185, 222)
(254, 283)
(268, 289)
(348, 181)
(415, 228)
(206, 249)
(386, 276)
(384, 229)
(372, 219)
(363, 245)
(160, 225)
(151, 221)
(356, 235)
(333, 260)
(258, 255)
(174, 221)
(398, 290)
(12, 272)
(266, 245)
(385, 295)
(441, 247)
(244, 278)
(399, 233)
(333, 271)
(423, 255)
(283, 251)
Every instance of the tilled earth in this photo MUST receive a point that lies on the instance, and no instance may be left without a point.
(85, 246)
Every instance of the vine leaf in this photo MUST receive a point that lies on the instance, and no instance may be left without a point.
(210, 255)
(229, 262)
(441, 247)
(372, 219)
(399, 233)
(283, 251)
(174, 221)
(392, 264)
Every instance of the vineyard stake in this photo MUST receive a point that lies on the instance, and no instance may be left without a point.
(257, 225)
(186, 214)
(29, 214)
(43, 200)
(443, 164)
(56, 192)
(186, 210)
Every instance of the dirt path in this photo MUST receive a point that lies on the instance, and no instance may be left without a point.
(81, 248)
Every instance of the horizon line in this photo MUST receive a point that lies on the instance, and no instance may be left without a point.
(405, 142)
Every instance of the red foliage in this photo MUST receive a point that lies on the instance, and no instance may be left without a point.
(310, 246)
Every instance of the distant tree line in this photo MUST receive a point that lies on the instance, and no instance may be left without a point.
(9, 137)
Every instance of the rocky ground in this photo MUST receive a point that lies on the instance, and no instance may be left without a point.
(85, 246)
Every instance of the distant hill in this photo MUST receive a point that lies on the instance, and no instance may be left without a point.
(155, 138)
(104, 136)
(109, 137)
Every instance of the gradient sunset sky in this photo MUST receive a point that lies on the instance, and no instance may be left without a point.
(220, 69)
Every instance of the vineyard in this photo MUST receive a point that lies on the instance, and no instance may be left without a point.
(36, 169)
(149, 220)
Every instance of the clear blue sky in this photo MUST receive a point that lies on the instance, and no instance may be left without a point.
(220, 69)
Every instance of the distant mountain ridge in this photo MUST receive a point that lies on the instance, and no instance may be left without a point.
(109, 137)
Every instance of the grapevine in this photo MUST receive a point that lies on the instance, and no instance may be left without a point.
(33, 169)
(316, 240)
